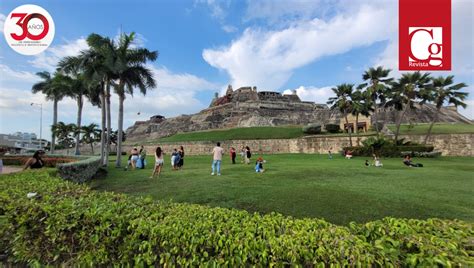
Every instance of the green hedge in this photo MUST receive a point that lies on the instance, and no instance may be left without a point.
(390, 150)
(332, 128)
(49, 160)
(69, 224)
(79, 171)
(312, 129)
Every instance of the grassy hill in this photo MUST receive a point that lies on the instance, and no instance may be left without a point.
(251, 133)
(291, 132)
(439, 128)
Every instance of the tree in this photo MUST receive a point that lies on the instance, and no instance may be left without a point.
(51, 87)
(343, 102)
(131, 72)
(114, 138)
(405, 92)
(98, 62)
(64, 133)
(377, 85)
(361, 105)
(90, 134)
(440, 91)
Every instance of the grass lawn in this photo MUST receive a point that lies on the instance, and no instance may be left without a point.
(248, 133)
(441, 128)
(301, 185)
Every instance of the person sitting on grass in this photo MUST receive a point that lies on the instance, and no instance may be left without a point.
(377, 161)
(36, 161)
(408, 162)
(159, 161)
(259, 165)
(348, 154)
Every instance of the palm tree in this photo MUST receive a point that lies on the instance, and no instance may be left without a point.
(440, 91)
(64, 133)
(378, 82)
(97, 62)
(343, 102)
(131, 72)
(361, 105)
(50, 86)
(405, 93)
(78, 88)
(90, 134)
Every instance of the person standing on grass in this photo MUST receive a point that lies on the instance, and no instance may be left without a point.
(330, 153)
(135, 157)
(242, 155)
(175, 159)
(159, 161)
(142, 157)
(233, 154)
(248, 155)
(181, 157)
(217, 159)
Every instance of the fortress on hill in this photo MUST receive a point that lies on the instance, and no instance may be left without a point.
(247, 107)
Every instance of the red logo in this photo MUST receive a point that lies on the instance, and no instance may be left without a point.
(23, 21)
(424, 35)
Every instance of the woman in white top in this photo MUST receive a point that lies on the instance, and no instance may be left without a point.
(158, 162)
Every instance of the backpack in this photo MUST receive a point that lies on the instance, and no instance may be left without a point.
(249, 154)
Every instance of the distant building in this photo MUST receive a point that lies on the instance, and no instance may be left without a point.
(20, 142)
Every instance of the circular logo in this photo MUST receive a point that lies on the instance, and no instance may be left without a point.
(29, 29)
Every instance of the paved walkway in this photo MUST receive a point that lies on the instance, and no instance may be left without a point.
(11, 169)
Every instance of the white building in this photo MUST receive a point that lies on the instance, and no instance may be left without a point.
(20, 142)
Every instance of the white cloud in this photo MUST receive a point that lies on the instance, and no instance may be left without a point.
(49, 59)
(281, 12)
(315, 94)
(175, 94)
(229, 28)
(268, 58)
(8, 74)
(2, 21)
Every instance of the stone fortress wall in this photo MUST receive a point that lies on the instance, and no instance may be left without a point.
(247, 107)
(447, 144)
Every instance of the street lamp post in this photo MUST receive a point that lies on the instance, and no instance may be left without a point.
(41, 122)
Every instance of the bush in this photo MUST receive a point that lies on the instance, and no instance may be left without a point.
(79, 171)
(332, 128)
(312, 129)
(49, 161)
(71, 225)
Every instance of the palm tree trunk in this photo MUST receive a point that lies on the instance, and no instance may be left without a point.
(55, 121)
(399, 121)
(109, 124)
(376, 118)
(102, 134)
(435, 119)
(349, 130)
(356, 129)
(120, 128)
(92, 148)
(78, 125)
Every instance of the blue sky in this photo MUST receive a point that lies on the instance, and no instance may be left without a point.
(204, 45)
